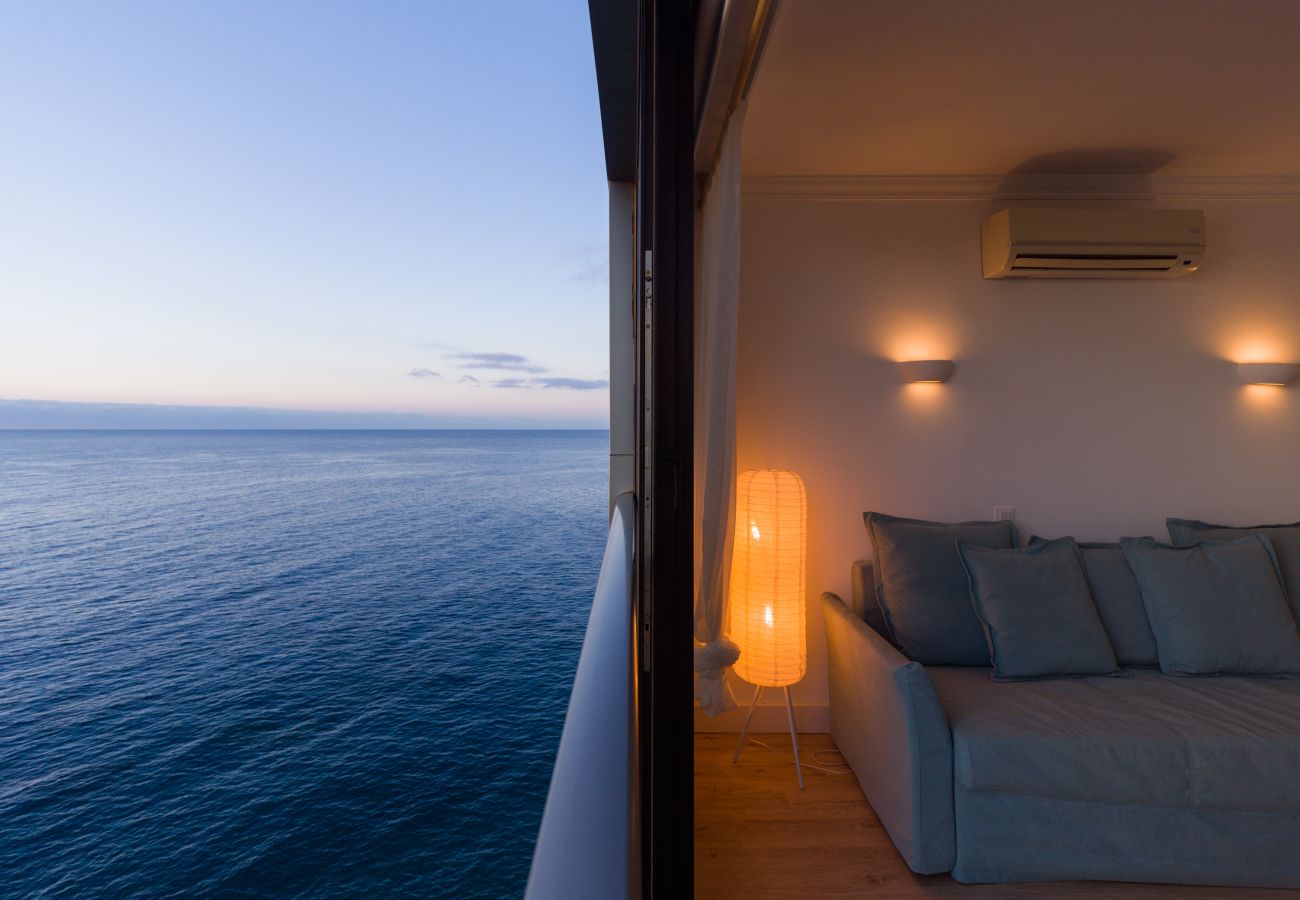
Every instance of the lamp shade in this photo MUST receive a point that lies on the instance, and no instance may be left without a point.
(768, 578)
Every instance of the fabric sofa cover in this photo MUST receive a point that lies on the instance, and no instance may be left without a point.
(1146, 778)
(887, 721)
(1152, 739)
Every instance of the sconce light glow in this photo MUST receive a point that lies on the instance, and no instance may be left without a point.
(1276, 374)
(919, 371)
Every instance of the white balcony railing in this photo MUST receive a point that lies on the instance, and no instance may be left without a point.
(588, 845)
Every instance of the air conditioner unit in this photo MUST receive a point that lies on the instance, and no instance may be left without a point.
(1093, 243)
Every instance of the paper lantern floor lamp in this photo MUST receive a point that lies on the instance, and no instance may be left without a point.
(768, 587)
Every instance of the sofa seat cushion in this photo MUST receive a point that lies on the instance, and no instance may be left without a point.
(1149, 740)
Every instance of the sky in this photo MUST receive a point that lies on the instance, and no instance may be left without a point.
(393, 208)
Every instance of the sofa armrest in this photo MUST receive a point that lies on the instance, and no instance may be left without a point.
(887, 721)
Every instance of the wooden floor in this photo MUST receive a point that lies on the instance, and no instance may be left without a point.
(758, 836)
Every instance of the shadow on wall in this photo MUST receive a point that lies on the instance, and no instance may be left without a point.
(1130, 163)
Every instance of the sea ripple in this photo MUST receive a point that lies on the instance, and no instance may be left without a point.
(287, 663)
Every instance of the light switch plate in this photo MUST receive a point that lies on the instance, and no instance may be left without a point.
(1004, 514)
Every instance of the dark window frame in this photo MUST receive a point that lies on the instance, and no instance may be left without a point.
(665, 443)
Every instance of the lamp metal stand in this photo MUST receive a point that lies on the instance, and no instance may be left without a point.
(794, 732)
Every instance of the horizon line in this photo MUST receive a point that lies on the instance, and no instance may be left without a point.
(74, 415)
(8, 428)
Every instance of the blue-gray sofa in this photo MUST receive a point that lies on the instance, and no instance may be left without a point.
(1145, 778)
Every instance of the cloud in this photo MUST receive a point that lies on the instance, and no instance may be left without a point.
(586, 265)
(567, 384)
(573, 384)
(530, 373)
(502, 362)
(420, 372)
(594, 273)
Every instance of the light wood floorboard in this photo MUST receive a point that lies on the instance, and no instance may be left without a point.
(758, 836)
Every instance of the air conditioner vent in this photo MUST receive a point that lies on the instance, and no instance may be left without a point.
(1093, 243)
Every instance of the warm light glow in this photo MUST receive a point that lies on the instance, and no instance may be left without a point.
(924, 329)
(925, 395)
(1263, 399)
(768, 577)
(1253, 353)
(1253, 345)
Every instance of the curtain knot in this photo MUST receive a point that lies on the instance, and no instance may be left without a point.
(715, 656)
(711, 663)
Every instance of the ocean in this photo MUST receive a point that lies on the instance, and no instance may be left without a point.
(287, 664)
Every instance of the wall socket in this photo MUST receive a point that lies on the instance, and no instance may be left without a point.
(1004, 514)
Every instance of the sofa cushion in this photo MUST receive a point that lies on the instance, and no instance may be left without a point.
(1284, 538)
(1037, 612)
(1118, 599)
(1149, 740)
(864, 597)
(922, 589)
(1216, 607)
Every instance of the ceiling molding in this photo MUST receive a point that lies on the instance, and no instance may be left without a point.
(1023, 187)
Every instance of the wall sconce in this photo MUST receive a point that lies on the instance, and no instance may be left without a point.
(1277, 374)
(916, 371)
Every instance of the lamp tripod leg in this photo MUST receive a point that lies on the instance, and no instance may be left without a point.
(744, 732)
(794, 736)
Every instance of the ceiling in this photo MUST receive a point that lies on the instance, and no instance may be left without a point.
(1102, 87)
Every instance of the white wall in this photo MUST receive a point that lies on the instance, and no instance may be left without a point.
(1096, 408)
(622, 339)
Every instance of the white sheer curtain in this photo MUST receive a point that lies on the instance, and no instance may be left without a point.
(717, 300)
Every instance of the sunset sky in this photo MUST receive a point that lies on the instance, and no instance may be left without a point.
(304, 205)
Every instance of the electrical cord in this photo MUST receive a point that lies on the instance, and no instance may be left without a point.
(817, 765)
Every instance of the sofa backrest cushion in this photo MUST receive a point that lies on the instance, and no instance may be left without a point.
(1217, 607)
(1284, 538)
(1037, 611)
(864, 597)
(922, 590)
(1118, 599)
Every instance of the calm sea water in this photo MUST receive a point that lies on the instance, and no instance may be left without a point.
(285, 663)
